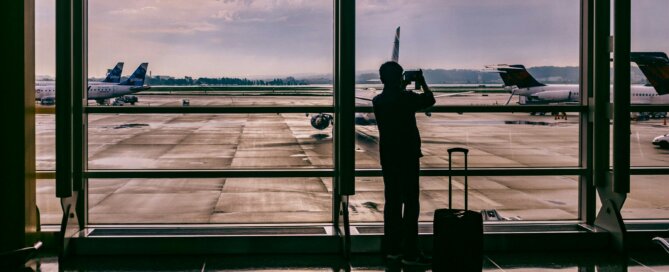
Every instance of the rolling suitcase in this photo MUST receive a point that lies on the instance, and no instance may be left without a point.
(458, 233)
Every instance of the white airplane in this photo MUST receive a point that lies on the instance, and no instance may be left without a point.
(101, 91)
(654, 65)
(322, 121)
(113, 76)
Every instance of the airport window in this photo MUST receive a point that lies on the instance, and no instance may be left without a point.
(236, 99)
(244, 86)
(206, 141)
(45, 119)
(461, 64)
(214, 53)
(647, 198)
(511, 198)
(649, 145)
(49, 206)
(522, 139)
(215, 201)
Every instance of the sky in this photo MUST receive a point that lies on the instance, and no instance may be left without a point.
(277, 38)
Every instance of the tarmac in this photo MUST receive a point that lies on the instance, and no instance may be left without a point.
(259, 141)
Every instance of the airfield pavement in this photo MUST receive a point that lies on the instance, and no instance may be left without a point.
(257, 141)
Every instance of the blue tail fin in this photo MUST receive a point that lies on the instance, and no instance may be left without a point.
(114, 76)
(655, 66)
(396, 46)
(137, 78)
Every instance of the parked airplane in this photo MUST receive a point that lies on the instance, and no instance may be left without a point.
(113, 76)
(654, 65)
(322, 121)
(101, 91)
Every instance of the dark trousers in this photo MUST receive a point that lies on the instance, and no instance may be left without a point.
(401, 210)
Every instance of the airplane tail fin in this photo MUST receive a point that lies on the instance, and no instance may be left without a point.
(114, 76)
(655, 66)
(516, 75)
(396, 46)
(137, 78)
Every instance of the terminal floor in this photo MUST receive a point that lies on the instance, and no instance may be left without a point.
(519, 261)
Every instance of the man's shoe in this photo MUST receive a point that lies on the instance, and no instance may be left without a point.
(419, 260)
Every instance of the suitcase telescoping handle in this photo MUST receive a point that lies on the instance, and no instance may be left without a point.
(450, 168)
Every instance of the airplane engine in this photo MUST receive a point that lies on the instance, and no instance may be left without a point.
(554, 96)
(321, 121)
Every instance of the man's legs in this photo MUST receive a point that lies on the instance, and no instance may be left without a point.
(392, 211)
(410, 195)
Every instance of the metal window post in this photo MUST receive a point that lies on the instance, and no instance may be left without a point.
(66, 48)
(612, 189)
(344, 105)
(79, 99)
(587, 190)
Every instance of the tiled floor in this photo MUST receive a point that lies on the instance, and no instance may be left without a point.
(556, 261)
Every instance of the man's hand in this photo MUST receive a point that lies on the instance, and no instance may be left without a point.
(421, 81)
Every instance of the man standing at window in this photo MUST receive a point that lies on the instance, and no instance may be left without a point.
(395, 110)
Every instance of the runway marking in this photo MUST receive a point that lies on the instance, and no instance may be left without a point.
(478, 195)
(638, 143)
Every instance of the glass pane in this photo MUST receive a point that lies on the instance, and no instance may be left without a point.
(45, 75)
(649, 143)
(223, 201)
(649, 34)
(45, 142)
(459, 45)
(48, 204)
(206, 53)
(494, 140)
(647, 198)
(206, 141)
(514, 198)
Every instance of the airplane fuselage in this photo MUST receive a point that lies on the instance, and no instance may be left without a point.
(639, 94)
(96, 91)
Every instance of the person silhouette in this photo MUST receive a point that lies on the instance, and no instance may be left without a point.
(399, 147)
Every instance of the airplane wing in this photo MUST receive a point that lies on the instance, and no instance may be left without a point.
(454, 94)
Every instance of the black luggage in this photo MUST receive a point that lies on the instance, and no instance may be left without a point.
(458, 233)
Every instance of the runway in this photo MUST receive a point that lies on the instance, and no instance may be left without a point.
(257, 141)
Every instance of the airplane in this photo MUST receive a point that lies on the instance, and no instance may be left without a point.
(113, 76)
(654, 65)
(101, 91)
(322, 121)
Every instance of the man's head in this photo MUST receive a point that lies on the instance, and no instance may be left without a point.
(391, 74)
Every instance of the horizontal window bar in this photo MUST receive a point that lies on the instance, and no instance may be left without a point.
(45, 175)
(210, 109)
(650, 108)
(45, 110)
(649, 171)
(493, 108)
(485, 172)
(250, 173)
(310, 109)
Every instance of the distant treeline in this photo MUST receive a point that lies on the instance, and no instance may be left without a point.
(224, 81)
(544, 74)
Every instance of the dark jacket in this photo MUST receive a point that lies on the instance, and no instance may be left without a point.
(395, 113)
